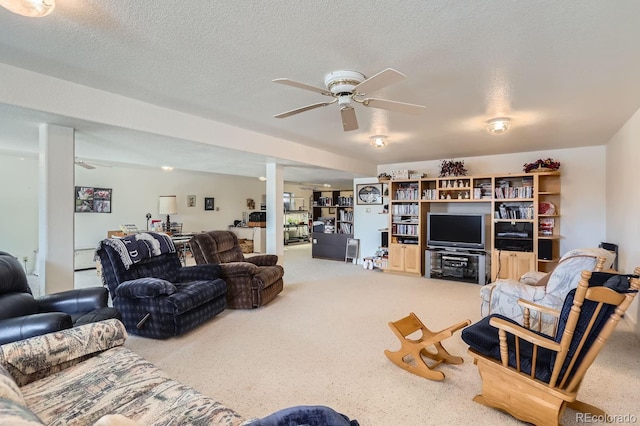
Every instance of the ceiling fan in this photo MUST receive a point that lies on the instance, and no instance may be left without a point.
(347, 86)
(87, 165)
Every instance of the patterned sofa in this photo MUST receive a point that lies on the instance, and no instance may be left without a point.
(83, 375)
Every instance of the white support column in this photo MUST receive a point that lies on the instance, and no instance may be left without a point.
(56, 208)
(275, 209)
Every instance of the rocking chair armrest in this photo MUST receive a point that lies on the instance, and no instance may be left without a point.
(523, 333)
(529, 305)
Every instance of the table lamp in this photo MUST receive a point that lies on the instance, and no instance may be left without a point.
(168, 205)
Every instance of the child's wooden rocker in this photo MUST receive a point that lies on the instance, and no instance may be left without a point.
(417, 348)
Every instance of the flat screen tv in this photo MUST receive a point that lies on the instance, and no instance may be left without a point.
(451, 230)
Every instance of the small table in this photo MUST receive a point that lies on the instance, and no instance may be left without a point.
(181, 241)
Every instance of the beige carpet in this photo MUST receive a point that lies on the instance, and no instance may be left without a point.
(322, 341)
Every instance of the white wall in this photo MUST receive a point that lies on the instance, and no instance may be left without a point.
(135, 193)
(368, 220)
(19, 206)
(582, 203)
(623, 201)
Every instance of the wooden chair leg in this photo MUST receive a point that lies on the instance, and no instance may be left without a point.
(442, 355)
(583, 407)
(419, 369)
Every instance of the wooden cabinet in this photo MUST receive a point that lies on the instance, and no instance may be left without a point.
(405, 258)
(524, 210)
(511, 264)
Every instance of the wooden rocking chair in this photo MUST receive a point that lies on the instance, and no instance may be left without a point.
(418, 348)
(533, 376)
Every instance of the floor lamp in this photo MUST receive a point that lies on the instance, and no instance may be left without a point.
(168, 205)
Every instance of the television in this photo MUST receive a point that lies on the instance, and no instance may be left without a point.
(456, 231)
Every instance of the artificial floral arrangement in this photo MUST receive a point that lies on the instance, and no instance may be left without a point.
(452, 168)
(547, 165)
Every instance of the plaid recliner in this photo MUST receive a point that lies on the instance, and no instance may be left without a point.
(252, 281)
(160, 298)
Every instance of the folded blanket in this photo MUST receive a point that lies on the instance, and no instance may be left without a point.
(135, 248)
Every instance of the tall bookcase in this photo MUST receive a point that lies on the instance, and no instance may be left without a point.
(335, 210)
(406, 239)
(525, 219)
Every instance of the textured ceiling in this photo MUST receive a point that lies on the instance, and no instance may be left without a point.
(565, 72)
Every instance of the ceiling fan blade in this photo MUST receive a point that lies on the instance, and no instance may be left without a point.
(349, 120)
(303, 109)
(393, 105)
(382, 79)
(304, 86)
(85, 165)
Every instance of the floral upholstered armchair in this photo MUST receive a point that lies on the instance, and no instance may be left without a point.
(546, 289)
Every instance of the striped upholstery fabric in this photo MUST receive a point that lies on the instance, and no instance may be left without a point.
(252, 282)
(173, 299)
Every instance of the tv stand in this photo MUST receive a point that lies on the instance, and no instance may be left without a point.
(457, 265)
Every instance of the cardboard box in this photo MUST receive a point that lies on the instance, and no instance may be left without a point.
(246, 245)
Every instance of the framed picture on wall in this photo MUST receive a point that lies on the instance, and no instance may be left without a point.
(92, 200)
(370, 193)
(209, 203)
(191, 200)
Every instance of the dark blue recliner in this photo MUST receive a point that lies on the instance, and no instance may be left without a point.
(157, 296)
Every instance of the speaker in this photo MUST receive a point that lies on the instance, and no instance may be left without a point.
(545, 249)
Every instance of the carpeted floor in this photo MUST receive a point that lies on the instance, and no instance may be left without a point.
(322, 341)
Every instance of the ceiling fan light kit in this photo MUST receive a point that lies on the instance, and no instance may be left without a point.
(29, 8)
(346, 86)
(498, 126)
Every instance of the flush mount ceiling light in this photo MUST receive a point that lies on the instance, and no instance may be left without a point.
(378, 141)
(30, 8)
(497, 126)
(262, 179)
(167, 168)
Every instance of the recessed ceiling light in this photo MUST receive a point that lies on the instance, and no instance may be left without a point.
(378, 141)
(167, 168)
(498, 126)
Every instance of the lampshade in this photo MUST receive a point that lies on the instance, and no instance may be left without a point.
(167, 204)
(498, 126)
(30, 8)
